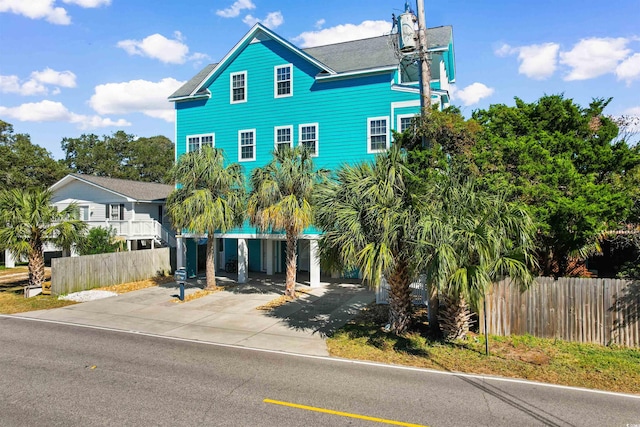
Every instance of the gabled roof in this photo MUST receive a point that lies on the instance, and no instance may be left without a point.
(376, 53)
(134, 190)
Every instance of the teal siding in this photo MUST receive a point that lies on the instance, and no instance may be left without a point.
(253, 245)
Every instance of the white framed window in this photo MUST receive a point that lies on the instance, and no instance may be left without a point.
(308, 137)
(84, 212)
(238, 87)
(196, 142)
(282, 136)
(283, 81)
(377, 134)
(404, 122)
(116, 213)
(246, 145)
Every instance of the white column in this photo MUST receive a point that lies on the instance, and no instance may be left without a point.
(9, 262)
(129, 245)
(314, 263)
(181, 252)
(153, 243)
(243, 260)
(270, 262)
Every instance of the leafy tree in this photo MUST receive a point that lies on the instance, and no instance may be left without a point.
(371, 222)
(25, 165)
(281, 200)
(472, 238)
(100, 240)
(210, 197)
(120, 155)
(28, 220)
(566, 163)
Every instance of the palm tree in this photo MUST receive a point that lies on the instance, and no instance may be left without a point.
(209, 197)
(28, 220)
(370, 221)
(281, 200)
(470, 239)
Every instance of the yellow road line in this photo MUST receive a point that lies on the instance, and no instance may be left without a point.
(342, 414)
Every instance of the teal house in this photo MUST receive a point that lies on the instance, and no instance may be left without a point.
(341, 101)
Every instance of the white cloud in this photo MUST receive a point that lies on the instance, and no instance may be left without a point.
(89, 3)
(157, 46)
(273, 20)
(537, 61)
(235, 9)
(149, 98)
(629, 69)
(50, 111)
(36, 9)
(594, 57)
(471, 94)
(36, 85)
(343, 33)
(320, 23)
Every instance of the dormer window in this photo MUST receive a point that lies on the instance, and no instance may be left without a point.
(283, 79)
(238, 82)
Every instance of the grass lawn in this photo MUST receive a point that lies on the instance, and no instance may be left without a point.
(545, 360)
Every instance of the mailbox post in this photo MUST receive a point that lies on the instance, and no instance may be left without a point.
(180, 277)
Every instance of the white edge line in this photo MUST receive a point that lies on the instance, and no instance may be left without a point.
(331, 359)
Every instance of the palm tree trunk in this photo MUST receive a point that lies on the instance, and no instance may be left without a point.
(210, 263)
(400, 305)
(36, 263)
(292, 243)
(455, 319)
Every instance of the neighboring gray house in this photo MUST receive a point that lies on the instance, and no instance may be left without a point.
(134, 209)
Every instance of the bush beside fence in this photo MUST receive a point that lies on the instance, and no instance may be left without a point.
(603, 311)
(74, 274)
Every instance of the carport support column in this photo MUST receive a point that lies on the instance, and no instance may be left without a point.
(243, 260)
(314, 263)
(9, 262)
(181, 252)
(269, 257)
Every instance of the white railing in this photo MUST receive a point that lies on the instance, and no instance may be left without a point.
(418, 291)
(140, 229)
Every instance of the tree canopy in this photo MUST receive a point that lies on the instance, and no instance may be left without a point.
(120, 155)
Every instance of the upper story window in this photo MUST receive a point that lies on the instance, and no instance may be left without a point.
(283, 137)
(196, 142)
(283, 76)
(238, 83)
(115, 211)
(404, 122)
(246, 145)
(84, 213)
(377, 134)
(309, 137)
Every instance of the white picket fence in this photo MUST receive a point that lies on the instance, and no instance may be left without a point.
(418, 292)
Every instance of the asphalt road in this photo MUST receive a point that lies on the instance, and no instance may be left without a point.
(59, 375)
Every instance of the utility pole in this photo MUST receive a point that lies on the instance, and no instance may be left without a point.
(425, 72)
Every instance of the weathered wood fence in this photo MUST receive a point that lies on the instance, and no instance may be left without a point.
(603, 311)
(74, 274)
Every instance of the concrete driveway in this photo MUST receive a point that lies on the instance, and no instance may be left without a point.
(227, 317)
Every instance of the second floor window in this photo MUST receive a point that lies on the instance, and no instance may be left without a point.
(309, 138)
(377, 135)
(283, 137)
(196, 142)
(238, 87)
(246, 145)
(283, 81)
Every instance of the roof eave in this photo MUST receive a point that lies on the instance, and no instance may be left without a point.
(386, 69)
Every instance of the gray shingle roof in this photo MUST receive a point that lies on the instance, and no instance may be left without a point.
(375, 52)
(142, 191)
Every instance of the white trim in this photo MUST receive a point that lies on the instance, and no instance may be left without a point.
(190, 97)
(300, 126)
(405, 89)
(249, 36)
(275, 136)
(246, 87)
(255, 145)
(278, 237)
(369, 120)
(275, 81)
(322, 77)
(404, 104)
(199, 136)
(399, 119)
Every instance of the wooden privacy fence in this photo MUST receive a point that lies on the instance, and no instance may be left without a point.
(603, 311)
(75, 274)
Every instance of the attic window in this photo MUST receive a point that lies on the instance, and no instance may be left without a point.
(238, 83)
(283, 79)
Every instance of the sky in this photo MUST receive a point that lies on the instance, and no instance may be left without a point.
(73, 67)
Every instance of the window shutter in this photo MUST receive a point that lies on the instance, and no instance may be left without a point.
(106, 211)
(121, 211)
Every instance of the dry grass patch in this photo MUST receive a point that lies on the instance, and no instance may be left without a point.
(537, 359)
(11, 303)
(199, 294)
(282, 300)
(123, 288)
